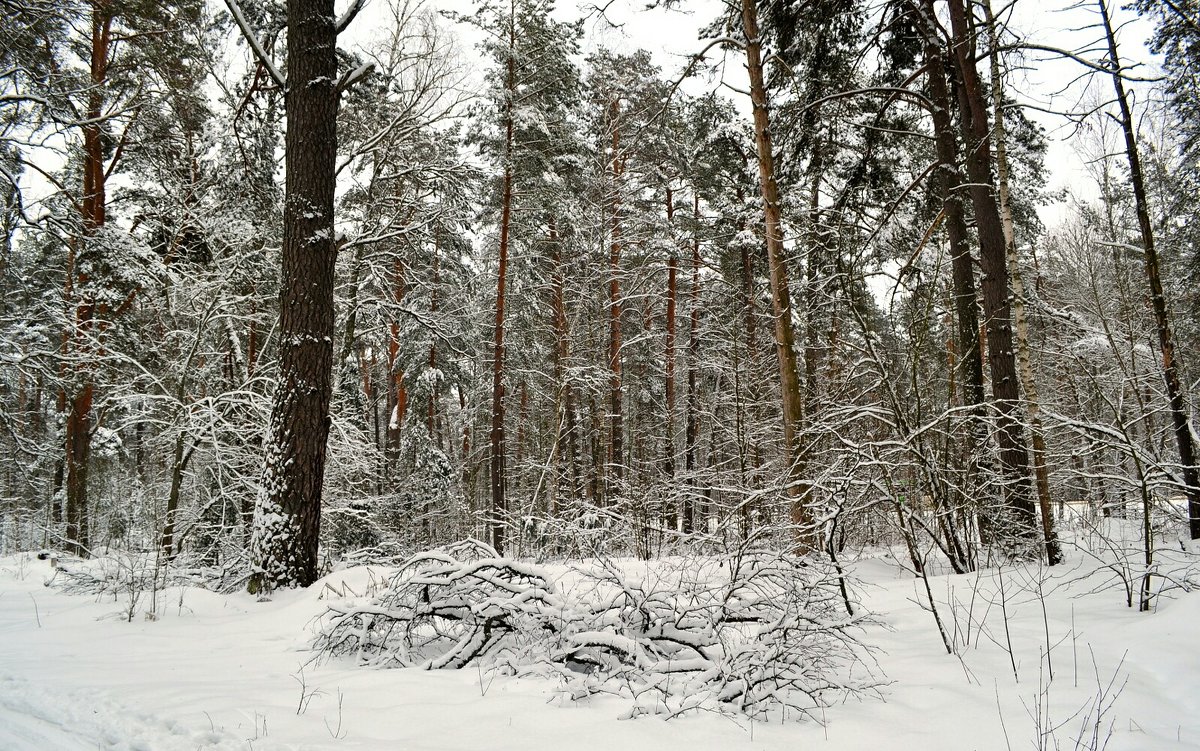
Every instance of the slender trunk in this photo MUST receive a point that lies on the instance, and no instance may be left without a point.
(287, 520)
(252, 335)
(753, 389)
(1176, 392)
(813, 305)
(1014, 455)
(616, 457)
(692, 428)
(568, 433)
(1037, 433)
(785, 338)
(396, 398)
(522, 422)
(497, 521)
(672, 291)
(240, 368)
(431, 411)
(178, 466)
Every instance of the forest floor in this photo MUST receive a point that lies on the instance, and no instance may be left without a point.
(215, 671)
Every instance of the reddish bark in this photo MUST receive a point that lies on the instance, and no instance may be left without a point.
(785, 338)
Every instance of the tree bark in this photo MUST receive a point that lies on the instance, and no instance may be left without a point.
(970, 363)
(1024, 363)
(568, 433)
(78, 439)
(672, 297)
(616, 458)
(692, 428)
(1014, 454)
(1185, 440)
(785, 338)
(287, 519)
(179, 462)
(497, 520)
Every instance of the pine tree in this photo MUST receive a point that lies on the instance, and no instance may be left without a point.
(287, 517)
(532, 91)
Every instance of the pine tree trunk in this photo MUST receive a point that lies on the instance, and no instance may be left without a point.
(692, 428)
(1014, 454)
(397, 396)
(287, 519)
(1024, 363)
(78, 433)
(79, 418)
(1176, 392)
(814, 305)
(970, 363)
(616, 458)
(499, 512)
(753, 384)
(672, 297)
(568, 433)
(785, 339)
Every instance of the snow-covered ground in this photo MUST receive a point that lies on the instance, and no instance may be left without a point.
(228, 672)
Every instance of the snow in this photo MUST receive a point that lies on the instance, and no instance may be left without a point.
(215, 671)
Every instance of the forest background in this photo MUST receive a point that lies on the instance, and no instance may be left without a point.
(794, 291)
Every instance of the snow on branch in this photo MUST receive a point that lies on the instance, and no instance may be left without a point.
(758, 635)
(348, 17)
(351, 77)
(255, 44)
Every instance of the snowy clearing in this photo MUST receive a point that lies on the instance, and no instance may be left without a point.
(228, 672)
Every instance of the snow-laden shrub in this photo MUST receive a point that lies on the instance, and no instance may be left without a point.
(446, 608)
(751, 635)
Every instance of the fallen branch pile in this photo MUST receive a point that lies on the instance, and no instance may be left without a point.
(756, 634)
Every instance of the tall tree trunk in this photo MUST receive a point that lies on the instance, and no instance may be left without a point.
(616, 459)
(499, 513)
(79, 417)
(432, 408)
(970, 362)
(967, 369)
(1176, 391)
(287, 520)
(1014, 454)
(781, 303)
(753, 382)
(397, 394)
(179, 462)
(1037, 433)
(672, 297)
(692, 428)
(814, 305)
(568, 432)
